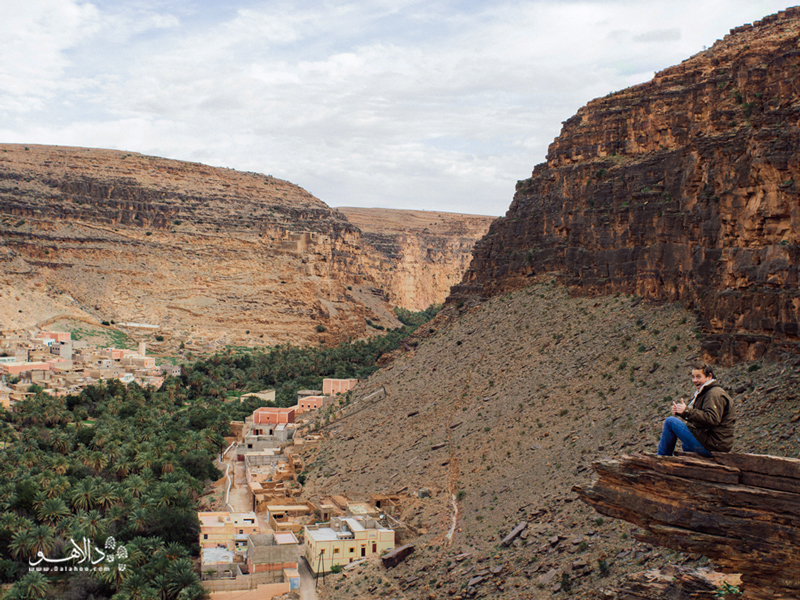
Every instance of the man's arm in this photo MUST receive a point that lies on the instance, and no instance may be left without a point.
(711, 413)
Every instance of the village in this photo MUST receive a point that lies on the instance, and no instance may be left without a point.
(59, 365)
(267, 541)
(264, 539)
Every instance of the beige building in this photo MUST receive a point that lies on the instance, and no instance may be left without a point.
(344, 540)
(226, 530)
(265, 395)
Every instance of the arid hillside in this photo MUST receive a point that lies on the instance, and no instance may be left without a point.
(682, 188)
(417, 256)
(491, 419)
(662, 229)
(211, 256)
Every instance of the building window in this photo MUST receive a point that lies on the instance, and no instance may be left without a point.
(352, 550)
(336, 551)
(205, 536)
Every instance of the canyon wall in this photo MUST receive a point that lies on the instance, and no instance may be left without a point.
(416, 256)
(684, 188)
(212, 256)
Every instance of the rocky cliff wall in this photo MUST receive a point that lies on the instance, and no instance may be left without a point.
(416, 256)
(683, 188)
(210, 255)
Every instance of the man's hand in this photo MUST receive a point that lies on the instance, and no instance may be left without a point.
(678, 407)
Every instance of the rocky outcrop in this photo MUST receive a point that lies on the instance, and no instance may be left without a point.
(416, 256)
(683, 188)
(742, 510)
(212, 256)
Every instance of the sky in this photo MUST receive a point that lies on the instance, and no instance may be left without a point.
(431, 105)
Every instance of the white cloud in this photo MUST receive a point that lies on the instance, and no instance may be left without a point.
(392, 103)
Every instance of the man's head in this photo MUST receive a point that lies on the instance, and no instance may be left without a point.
(701, 374)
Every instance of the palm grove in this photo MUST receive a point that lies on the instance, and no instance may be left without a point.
(131, 463)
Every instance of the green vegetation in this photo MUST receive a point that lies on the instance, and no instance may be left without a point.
(131, 463)
(135, 475)
(111, 337)
(415, 319)
(290, 368)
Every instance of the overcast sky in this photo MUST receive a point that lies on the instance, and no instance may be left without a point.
(391, 103)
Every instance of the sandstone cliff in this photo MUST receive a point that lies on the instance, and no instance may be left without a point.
(209, 255)
(416, 256)
(683, 188)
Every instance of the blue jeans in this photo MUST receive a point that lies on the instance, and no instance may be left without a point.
(675, 429)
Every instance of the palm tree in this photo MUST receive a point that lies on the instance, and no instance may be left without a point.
(58, 486)
(22, 543)
(180, 575)
(60, 465)
(161, 583)
(32, 585)
(138, 520)
(44, 539)
(94, 523)
(144, 460)
(97, 461)
(137, 588)
(52, 511)
(60, 442)
(136, 485)
(84, 494)
(122, 468)
(106, 495)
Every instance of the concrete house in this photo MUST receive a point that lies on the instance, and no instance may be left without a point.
(344, 540)
(332, 387)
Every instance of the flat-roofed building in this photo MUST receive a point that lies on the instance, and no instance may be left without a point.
(332, 387)
(309, 403)
(268, 415)
(226, 530)
(17, 368)
(344, 540)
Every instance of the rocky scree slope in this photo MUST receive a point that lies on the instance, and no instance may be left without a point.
(416, 256)
(207, 254)
(683, 188)
(497, 414)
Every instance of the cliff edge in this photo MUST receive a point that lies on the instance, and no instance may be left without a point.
(742, 510)
(683, 188)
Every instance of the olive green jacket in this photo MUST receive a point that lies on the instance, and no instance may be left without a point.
(712, 418)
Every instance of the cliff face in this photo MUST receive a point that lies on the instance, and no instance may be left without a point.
(209, 255)
(416, 256)
(683, 188)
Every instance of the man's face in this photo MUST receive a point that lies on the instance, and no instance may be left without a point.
(699, 378)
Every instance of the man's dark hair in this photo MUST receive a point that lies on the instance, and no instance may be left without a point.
(704, 367)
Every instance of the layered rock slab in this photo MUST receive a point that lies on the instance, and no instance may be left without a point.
(682, 188)
(742, 510)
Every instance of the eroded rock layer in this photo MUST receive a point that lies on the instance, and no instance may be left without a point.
(415, 255)
(211, 256)
(683, 188)
(742, 510)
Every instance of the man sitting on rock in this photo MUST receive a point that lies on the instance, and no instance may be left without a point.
(706, 424)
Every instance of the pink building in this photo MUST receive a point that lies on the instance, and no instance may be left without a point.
(59, 336)
(267, 415)
(331, 387)
(309, 403)
(15, 368)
